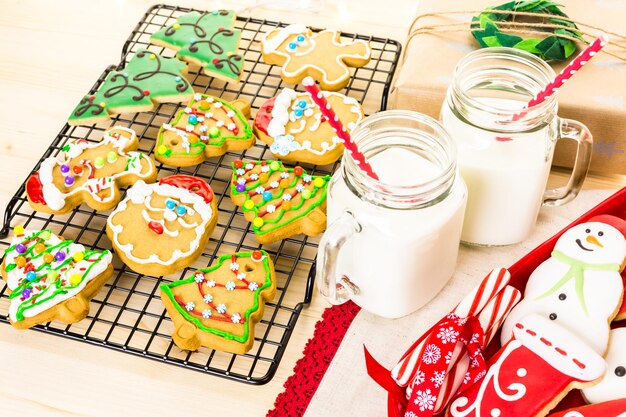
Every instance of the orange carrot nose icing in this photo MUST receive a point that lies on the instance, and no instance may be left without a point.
(594, 240)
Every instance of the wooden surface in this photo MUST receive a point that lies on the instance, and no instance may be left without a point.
(52, 52)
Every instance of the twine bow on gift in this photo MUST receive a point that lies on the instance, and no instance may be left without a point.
(435, 362)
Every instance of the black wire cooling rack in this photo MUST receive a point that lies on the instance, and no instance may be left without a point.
(127, 314)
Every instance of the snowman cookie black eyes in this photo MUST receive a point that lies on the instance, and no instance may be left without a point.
(620, 371)
(600, 233)
(587, 231)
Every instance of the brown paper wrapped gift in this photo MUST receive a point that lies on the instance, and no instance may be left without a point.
(594, 96)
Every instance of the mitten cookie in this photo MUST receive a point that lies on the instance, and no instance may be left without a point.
(208, 126)
(161, 228)
(531, 373)
(280, 202)
(295, 129)
(49, 278)
(579, 287)
(613, 384)
(218, 307)
(323, 55)
(206, 39)
(89, 172)
(147, 80)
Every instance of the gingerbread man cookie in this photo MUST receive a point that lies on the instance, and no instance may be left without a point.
(147, 80)
(323, 55)
(89, 172)
(280, 202)
(295, 129)
(208, 126)
(163, 227)
(51, 278)
(218, 307)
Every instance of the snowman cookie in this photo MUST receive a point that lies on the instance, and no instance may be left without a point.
(323, 55)
(295, 129)
(163, 227)
(613, 384)
(89, 172)
(579, 287)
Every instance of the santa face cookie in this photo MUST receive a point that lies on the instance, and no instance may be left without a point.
(218, 307)
(279, 202)
(613, 384)
(50, 278)
(579, 287)
(147, 80)
(323, 55)
(89, 172)
(161, 228)
(295, 129)
(207, 127)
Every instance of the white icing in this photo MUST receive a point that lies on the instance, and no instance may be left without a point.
(14, 276)
(300, 128)
(602, 289)
(611, 387)
(272, 45)
(138, 194)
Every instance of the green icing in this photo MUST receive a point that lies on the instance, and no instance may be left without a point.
(167, 289)
(207, 37)
(146, 77)
(318, 194)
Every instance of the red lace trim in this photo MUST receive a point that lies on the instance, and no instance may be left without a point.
(317, 355)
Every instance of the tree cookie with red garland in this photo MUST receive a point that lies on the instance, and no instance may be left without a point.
(295, 129)
(163, 227)
(279, 202)
(147, 80)
(90, 173)
(50, 278)
(323, 55)
(208, 126)
(207, 39)
(218, 307)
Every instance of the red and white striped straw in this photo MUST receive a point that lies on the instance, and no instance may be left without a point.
(318, 97)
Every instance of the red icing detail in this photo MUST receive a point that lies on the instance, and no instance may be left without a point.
(545, 341)
(77, 170)
(219, 29)
(257, 255)
(560, 351)
(503, 139)
(579, 363)
(146, 92)
(190, 183)
(156, 227)
(530, 332)
(34, 189)
(297, 171)
(215, 60)
(238, 163)
(92, 97)
(264, 115)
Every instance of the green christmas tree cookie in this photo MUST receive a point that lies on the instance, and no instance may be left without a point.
(147, 80)
(280, 202)
(206, 39)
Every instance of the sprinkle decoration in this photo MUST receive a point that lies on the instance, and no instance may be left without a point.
(318, 97)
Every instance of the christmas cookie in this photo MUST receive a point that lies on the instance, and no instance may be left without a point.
(323, 55)
(218, 307)
(50, 278)
(163, 227)
(579, 287)
(280, 202)
(613, 384)
(295, 129)
(206, 39)
(207, 127)
(147, 80)
(89, 172)
(531, 373)
(614, 408)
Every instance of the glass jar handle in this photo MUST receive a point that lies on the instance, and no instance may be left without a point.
(336, 235)
(571, 129)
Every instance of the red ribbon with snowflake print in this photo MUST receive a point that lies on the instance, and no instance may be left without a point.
(439, 344)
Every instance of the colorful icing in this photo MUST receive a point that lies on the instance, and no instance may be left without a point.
(212, 309)
(206, 38)
(43, 270)
(147, 78)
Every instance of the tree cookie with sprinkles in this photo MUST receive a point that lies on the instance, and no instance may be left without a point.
(208, 126)
(147, 80)
(90, 173)
(163, 227)
(295, 129)
(323, 55)
(279, 202)
(51, 278)
(206, 39)
(218, 307)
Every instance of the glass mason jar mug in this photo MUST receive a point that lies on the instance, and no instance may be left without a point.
(505, 151)
(392, 243)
